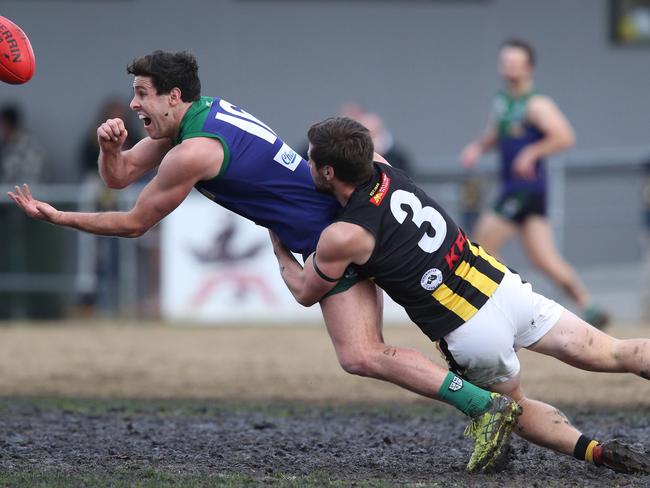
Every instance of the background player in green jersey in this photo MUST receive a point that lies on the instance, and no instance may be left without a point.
(397, 234)
(526, 127)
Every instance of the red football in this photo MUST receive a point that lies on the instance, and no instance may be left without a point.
(17, 63)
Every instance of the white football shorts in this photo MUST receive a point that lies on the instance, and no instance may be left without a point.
(485, 347)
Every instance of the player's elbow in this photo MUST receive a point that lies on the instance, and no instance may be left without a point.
(118, 185)
(114, 183)
(569, 140)
(136, 228)
(138, 232)
(566, 139)
(306, 300)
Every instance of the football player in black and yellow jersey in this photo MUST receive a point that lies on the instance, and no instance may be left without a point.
(239, 162)
(478, 310)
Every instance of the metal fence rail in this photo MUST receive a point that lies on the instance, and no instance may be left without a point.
(596, 207)
(39, 260)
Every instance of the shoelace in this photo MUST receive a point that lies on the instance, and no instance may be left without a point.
(471, 428)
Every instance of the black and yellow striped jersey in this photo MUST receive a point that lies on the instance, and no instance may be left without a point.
(422, 259)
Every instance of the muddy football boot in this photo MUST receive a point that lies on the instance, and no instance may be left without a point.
(491, 432)
(621, 457)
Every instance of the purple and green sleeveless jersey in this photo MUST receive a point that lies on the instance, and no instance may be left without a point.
(515, 133)
(261, 178)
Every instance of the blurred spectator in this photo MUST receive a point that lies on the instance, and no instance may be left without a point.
(471, 200)
(22, 157)
(97, 257)
(352, 110)
(22, 160)
(113, 107)
(385, 143)
(382, 138)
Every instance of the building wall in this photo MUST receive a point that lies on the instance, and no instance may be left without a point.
(428, 67)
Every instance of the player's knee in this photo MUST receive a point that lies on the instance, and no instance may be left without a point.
(350, 362)
(357, 362)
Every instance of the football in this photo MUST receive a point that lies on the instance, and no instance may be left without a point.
(17, 63)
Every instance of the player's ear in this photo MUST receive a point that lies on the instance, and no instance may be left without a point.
(175, 96)
(328, 172)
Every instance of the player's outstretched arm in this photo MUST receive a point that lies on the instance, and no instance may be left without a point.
(471, 153)
(178, 173)
(118, 168)
(340, 245)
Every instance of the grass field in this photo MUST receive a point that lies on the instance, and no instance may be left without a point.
(151, 405)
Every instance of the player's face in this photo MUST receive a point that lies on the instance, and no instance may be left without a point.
(152, 109)
(514, 65)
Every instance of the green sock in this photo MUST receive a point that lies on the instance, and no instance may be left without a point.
(466, 397)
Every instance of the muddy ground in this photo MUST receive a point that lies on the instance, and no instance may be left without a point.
(399, 445)
(268, 403)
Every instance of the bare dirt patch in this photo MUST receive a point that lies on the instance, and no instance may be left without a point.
(250, 363)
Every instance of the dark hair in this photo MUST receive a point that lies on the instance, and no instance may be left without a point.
(523, 45)
(169, 70)
(345, 145)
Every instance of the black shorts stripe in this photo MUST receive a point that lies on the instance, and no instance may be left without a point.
(453, 365)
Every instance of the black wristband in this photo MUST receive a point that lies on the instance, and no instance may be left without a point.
(323, 275)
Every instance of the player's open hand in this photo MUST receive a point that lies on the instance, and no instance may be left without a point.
(111, 135)
(470, 155)
(32, 207)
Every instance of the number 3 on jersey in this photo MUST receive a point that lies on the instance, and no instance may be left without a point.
(420, 216)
